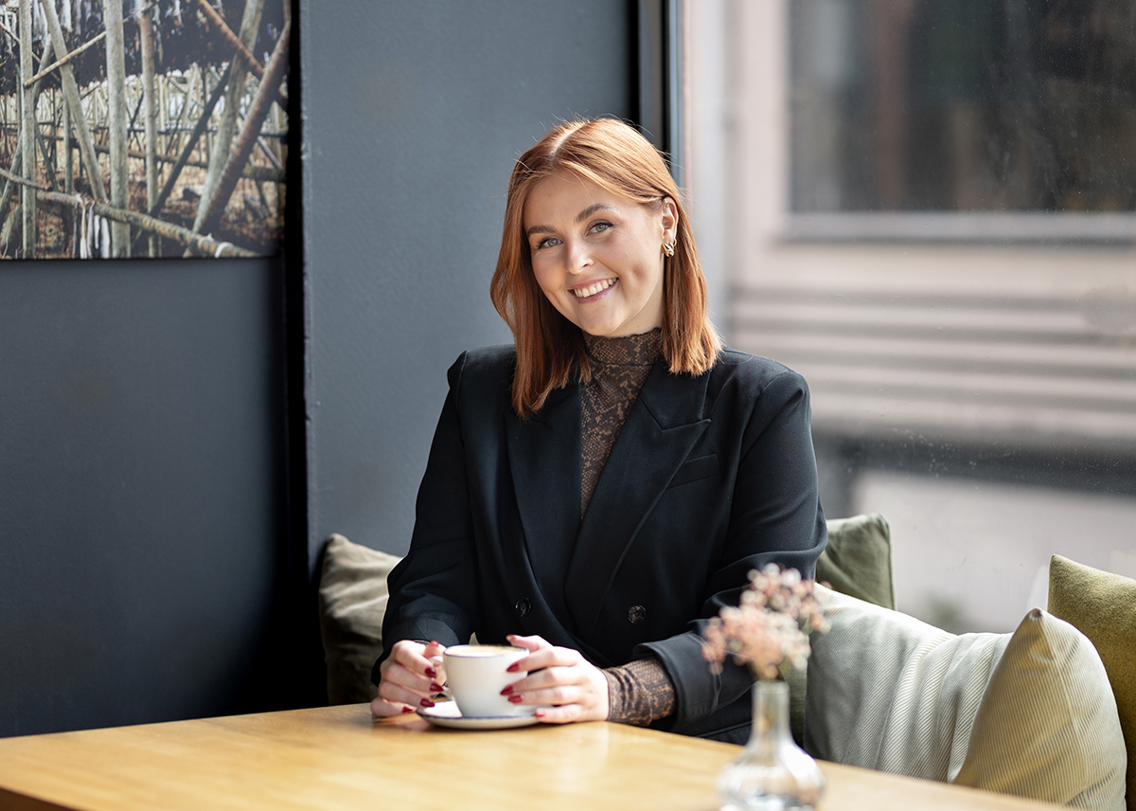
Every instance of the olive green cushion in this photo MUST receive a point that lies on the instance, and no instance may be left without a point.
(1102, 606)
(352, 601)
(857, 559)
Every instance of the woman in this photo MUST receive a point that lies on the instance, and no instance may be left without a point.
(598, 492)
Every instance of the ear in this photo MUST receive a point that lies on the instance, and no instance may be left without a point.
(669, 218)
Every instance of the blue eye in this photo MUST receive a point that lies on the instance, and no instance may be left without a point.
(600, 227)
(548, 242)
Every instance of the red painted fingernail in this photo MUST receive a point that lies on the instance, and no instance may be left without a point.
(426, 703)
(507, 691)
(516, 699)
(431, 673)
(538, 714)
(408, 709)
(512, 668)
(435, 687)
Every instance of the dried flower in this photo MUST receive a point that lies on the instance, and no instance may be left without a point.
(771, 625)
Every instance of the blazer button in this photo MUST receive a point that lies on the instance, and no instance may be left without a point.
(523, 606)
(636, 614)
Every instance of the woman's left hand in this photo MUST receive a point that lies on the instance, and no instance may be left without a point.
(566, 685)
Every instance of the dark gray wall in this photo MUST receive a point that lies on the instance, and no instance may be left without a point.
(142, 569)
(147, 570)
(414, 115)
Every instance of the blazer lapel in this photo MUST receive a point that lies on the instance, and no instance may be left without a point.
(661, 429)
(544, 459)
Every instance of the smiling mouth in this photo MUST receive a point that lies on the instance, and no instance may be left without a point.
(592, 289)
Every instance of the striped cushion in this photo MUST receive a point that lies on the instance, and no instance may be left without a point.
(888, 692)
(857, 561)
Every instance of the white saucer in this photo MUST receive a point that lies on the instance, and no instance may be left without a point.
(447, 714)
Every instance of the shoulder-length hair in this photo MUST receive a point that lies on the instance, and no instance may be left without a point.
(550, 348)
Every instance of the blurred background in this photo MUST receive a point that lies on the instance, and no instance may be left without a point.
(927, 208)
(924, 206)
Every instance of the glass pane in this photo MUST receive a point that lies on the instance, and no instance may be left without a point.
(925, 207)
(963, 105)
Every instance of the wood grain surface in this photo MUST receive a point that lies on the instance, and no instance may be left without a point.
(340, 758)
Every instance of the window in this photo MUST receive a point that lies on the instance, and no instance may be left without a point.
(968, 105)
(928, 208)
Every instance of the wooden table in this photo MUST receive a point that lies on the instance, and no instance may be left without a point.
(339, 758)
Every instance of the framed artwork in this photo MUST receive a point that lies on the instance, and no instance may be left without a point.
(143, 128)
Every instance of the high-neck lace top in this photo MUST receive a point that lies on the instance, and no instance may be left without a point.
(619, 368)
(640, 691)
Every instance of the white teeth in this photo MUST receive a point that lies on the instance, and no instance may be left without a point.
(591, 290)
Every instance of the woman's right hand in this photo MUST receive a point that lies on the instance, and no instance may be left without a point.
(409, 678)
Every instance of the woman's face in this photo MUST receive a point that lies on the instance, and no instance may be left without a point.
(597, 256)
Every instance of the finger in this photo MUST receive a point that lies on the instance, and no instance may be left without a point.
(419, 686)
(567, 714)
(381, 708)
(529, 643)
(555, 686)
(563, 705)
(547, 657)
(436, 669)
(415, 656)
(536, 646)
(552, 696)
(541, 676)
(395, 693)
(434, 650)
(407, 665)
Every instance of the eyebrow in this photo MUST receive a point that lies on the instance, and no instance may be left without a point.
(583, 215)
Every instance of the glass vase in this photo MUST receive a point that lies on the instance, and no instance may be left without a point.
(773, 773)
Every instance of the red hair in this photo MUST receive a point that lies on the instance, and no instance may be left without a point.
(615, 157)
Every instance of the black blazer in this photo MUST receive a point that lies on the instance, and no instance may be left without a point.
(711, 476)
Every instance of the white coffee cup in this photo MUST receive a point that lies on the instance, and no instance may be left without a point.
(476, 675)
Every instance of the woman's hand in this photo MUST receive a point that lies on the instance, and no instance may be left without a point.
(409, 678)
(566, 685)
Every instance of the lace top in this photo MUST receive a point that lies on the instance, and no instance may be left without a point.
(619, 368)
(640, 691)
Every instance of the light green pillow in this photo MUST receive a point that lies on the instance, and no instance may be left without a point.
(856, 561)
(889, 692)
(352, 602)
(1102, 606)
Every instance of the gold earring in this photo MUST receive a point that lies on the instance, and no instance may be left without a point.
(669, 250)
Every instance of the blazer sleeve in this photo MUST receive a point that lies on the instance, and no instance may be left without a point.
(775, 516)
(434, 590)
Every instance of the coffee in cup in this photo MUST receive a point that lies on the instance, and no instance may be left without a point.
(476, 675)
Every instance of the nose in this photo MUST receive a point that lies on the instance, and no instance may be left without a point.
(577, 257)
